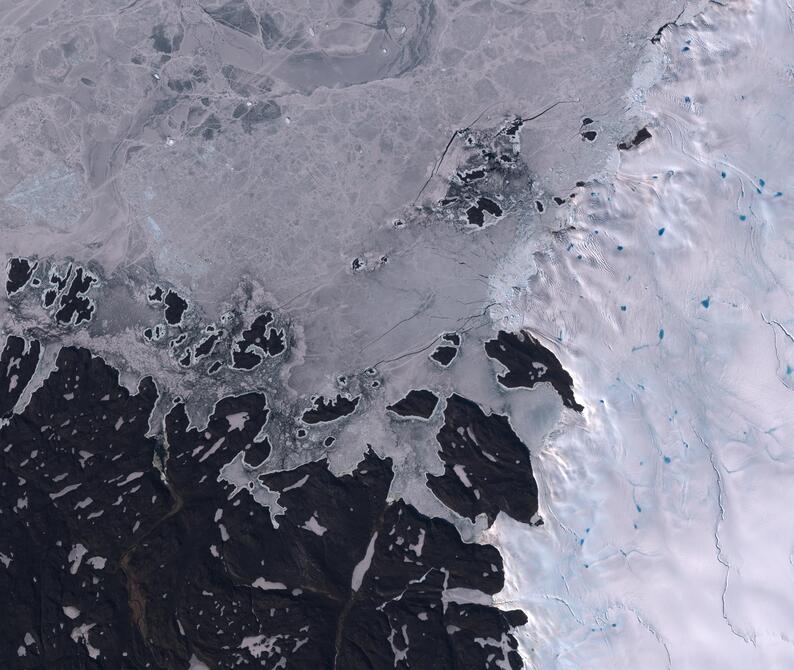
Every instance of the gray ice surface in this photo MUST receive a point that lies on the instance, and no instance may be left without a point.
(206, 142)
(200, 144)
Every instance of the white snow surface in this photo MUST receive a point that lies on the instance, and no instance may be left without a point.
(362, 566)
(196, 664)
(668, 539)
(264, 584)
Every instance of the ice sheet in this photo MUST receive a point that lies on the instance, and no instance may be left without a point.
(668, 539)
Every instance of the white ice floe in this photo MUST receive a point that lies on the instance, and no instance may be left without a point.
(237, 420)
